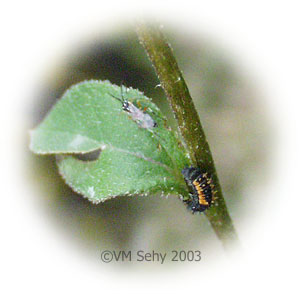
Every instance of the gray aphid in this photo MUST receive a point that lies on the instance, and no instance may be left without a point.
(143, 119)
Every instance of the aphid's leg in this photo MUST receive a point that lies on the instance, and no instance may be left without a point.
(140, 106)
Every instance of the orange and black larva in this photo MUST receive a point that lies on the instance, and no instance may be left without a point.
(202, 188)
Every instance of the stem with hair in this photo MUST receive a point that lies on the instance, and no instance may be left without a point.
(172, 81)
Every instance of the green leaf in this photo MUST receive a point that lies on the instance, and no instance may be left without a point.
(133, 160)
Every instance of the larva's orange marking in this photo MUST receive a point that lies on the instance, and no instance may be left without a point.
(202, 186)
(200, 193)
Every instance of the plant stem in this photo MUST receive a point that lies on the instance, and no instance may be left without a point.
(172, 81)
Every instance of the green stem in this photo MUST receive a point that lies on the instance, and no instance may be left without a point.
(172, 81)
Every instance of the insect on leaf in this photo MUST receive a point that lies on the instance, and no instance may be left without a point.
(133, 159)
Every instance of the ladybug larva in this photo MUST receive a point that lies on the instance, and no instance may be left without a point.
(202, 187)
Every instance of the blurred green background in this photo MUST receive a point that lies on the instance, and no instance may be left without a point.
(230, 112)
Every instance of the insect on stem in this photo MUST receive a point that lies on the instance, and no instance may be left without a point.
(202, 187)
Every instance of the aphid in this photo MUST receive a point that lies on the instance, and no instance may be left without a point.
(202, 187)
(141, 117)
